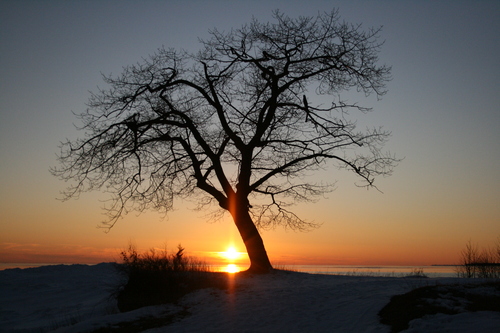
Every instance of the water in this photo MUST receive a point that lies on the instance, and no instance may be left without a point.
(396, 271)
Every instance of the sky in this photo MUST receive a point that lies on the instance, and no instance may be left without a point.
(442, 108)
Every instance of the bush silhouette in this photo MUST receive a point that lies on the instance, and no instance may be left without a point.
(156, 277)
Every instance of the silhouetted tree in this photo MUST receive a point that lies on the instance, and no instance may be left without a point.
(236, 121)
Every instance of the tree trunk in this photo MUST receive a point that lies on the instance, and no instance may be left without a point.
(259, 261)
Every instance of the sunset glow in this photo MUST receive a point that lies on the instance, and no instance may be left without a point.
(443, 194)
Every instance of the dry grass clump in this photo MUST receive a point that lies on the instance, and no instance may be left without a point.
(158, 277)
(475, 263)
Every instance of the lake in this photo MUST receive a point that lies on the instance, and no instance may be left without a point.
(396, 271)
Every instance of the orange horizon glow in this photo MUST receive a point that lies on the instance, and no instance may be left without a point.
(219, 244)
(36, 253)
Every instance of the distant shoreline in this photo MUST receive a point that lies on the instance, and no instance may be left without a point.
(23, 265)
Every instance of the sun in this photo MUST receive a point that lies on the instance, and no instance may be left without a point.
(231, 253)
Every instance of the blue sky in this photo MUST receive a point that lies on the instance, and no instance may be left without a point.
(442, 108)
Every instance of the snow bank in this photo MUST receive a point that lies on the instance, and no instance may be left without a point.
(77, 298)
(47, 297)
(482, 321)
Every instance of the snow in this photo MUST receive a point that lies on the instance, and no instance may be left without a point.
(482, 321)
(79, 298)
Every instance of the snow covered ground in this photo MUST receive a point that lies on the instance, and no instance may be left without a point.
(78, 298)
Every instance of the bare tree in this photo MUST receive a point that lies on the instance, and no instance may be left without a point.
(237, 122)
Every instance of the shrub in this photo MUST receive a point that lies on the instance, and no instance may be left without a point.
(479, 264)
(157, 277)
(417, 273)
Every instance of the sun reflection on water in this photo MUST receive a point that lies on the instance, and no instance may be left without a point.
(232, 268)
(229, 268)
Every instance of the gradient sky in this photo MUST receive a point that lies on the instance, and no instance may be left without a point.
(443, 108)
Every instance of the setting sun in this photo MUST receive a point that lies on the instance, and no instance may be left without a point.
(231, 253)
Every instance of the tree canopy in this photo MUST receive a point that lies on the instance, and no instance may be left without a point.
(237, 122)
